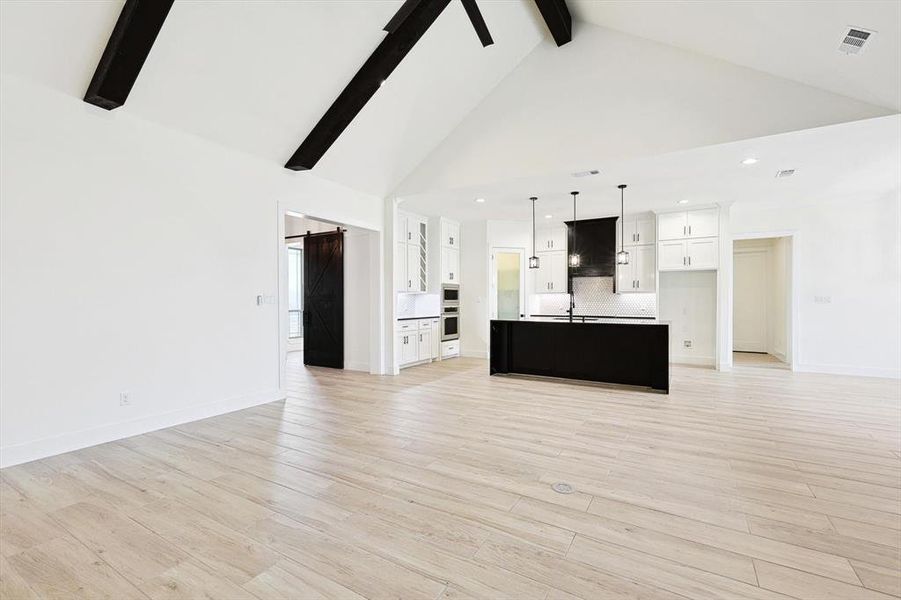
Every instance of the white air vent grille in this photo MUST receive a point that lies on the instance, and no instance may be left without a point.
(854, 40)
(586, 173)
(785, 173)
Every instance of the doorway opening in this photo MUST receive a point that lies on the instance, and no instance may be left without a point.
(508, 283)
(762, 302)
(315, 291)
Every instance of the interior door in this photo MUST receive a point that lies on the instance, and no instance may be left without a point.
(323, 300)
(749, 318)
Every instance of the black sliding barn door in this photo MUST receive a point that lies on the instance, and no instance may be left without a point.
(323, 300)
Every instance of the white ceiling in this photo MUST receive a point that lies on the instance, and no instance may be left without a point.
(256, 76)
(795, 39)
(858, 159)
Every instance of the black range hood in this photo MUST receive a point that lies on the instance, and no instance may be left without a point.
(595, 243)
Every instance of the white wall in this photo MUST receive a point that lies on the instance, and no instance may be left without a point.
(474, 286)
(688, 301)
(607, 97)
(357, 299)
(848, 271)
(130, 260)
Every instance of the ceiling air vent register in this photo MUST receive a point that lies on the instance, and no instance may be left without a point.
(854, 40)
(785, 173)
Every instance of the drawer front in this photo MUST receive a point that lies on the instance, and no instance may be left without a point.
(450, 348)
(424, 323)
(406, 325)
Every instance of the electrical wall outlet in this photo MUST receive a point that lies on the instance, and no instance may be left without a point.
(822, 299)
(124, 399)
(686, 343)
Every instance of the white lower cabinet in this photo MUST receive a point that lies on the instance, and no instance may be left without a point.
(417, 341)
(688, 255)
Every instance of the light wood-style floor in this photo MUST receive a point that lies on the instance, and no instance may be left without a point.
(758, 484)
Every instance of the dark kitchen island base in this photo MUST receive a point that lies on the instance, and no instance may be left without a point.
(609, 351)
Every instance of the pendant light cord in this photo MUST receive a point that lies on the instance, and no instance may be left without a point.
(533, 226)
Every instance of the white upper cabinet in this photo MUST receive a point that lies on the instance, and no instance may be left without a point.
(551, 275)
(638, 230)
(549, 239)
(702, 223)
(688, 255)
(450, 234)
(702, 253)
(450, 265)
(411, 261)
(640, 275)
(671, 226)
(688, 224)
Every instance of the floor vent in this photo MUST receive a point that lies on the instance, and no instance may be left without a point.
(854, 40)
(563, 488)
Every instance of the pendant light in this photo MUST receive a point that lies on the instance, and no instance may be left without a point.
(622, 257)
(533, 260)
(574, 258)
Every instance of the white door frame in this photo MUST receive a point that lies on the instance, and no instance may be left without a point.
(492, 301)
(376, 310)
(792, 354)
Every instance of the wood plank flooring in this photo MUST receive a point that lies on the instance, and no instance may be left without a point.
(758, 484)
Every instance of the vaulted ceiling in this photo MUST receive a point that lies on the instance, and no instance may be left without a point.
(638, 79)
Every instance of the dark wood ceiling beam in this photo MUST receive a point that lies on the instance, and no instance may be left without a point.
(559, 21)
(364, 84)
(478, 22)
(402, 13)
(139, 23)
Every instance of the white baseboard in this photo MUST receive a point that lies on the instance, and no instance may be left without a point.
(75, 440)
(850, 370)
(681, 359)
(474, 353)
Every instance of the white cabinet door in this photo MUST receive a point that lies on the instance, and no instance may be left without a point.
(558, 272)
(625, 274)
(450, 234)
(435, 335)
(450, 265)
(550, 238)
(671, 226)
(558, 238)
(645, 229)
(671, 256)
(541, 280)
(409, 347)
(644, 268)
(400, 267)
(424, 346)
(403, 230)
(702, 254)
(413, 275)
(702, 223)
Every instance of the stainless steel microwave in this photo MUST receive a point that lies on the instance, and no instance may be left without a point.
(450, 294)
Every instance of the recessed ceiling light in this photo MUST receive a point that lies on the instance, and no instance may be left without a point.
(480, 200)
(682, 202)
(548, 216)
(749, 161)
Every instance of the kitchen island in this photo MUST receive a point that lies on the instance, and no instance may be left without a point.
(622, 351)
